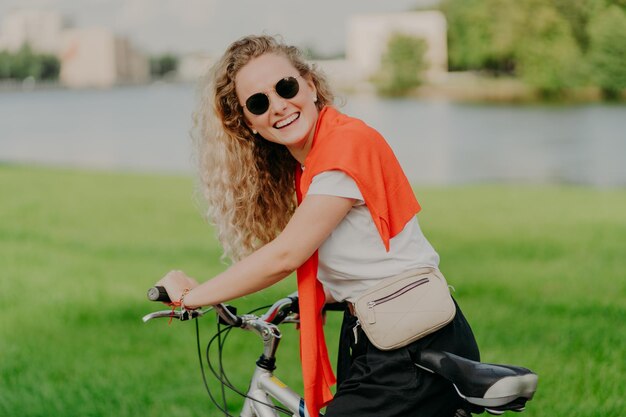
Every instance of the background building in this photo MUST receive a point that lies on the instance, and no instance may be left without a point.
(95, 57)
(368, 36)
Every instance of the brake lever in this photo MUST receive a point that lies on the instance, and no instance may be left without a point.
(182, 315)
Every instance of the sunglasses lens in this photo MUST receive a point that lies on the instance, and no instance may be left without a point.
(257, 103)
(287, 87)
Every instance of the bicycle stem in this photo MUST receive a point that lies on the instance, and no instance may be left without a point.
(268, 332)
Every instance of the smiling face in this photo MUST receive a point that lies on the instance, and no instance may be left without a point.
(288, 121)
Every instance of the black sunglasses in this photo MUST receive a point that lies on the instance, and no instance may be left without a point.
(258, 103)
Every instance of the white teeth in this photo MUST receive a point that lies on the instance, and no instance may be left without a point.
(287, 121)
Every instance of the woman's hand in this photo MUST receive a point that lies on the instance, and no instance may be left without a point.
(175, 282)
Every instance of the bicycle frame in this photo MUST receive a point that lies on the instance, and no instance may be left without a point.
(265, 385)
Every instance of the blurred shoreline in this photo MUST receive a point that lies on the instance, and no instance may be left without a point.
(474, 87)
(454, 87)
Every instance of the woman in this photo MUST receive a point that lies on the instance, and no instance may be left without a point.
(266, 133)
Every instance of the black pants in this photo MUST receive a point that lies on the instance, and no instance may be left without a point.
(377, 383)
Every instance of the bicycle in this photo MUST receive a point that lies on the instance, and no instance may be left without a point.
(487, 387)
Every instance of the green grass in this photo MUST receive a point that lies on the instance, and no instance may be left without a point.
(539, 272)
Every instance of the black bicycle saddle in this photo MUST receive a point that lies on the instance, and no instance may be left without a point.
(496, 388)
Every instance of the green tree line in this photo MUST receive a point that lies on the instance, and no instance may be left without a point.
(25, 63)
(552, 45)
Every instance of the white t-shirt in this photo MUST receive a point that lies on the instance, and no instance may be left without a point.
(353, 258)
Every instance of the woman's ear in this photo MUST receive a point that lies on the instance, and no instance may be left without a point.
(249, 124)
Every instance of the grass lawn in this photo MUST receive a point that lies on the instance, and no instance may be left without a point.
(539, 271)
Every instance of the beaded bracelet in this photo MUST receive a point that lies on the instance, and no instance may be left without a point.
(179, 303)
(181, 300)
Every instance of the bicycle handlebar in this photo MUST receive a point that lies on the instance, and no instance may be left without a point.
(265, 326)
(276, 314)
(159, 293)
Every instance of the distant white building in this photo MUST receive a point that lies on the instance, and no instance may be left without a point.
(40, 29)
(368, 36)
(95, 57)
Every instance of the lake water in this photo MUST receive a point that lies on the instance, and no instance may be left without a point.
(437, 142)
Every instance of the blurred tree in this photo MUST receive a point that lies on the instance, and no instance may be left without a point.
(163, 65)
(483, 34)
(550, 59)
(5, 65)
(25, 63)
(469, 33)
(578, 13)
(607, 54)
(50, 67)
(553, 45)
(508, 25)
(402, 65)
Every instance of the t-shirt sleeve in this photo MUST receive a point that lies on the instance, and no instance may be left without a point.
(336, 183)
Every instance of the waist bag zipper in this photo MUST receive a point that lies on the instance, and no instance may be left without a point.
(371, 317)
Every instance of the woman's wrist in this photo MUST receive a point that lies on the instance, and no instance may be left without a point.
(181, 300)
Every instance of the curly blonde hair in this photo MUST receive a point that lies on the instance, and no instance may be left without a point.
(247, 181)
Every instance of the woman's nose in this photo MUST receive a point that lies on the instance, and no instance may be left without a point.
(277, 103)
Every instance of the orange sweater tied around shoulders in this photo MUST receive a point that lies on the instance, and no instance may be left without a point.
(347, 144)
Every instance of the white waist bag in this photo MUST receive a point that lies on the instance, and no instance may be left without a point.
(405, 307)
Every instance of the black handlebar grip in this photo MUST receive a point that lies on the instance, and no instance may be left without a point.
(158, 294)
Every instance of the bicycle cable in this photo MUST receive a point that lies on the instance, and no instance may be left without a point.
(220, 344)
(225, 381)
(204, 379)
(221, 376)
